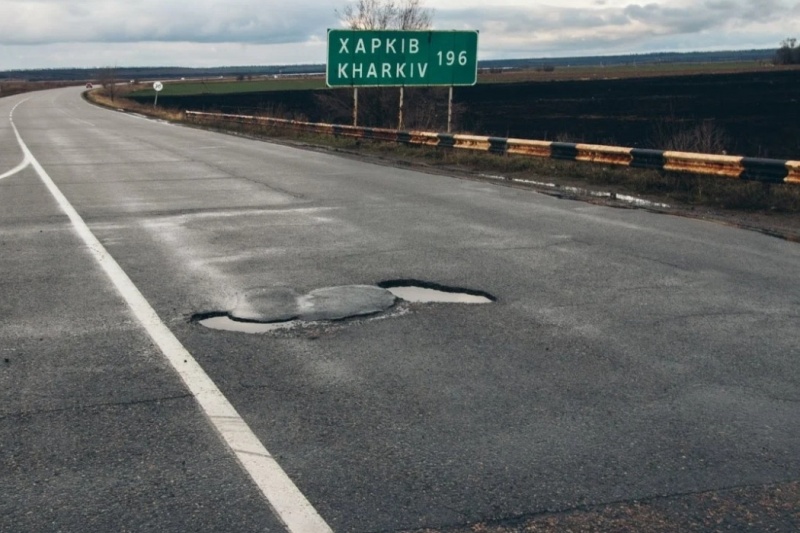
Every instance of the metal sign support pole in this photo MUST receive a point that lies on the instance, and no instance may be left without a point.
(450, 111)
(400, 119)
(355, 106)
(155, 102)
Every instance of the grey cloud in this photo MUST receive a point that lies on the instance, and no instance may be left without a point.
(601, 27)
(634, 20)
(531, 20)
(203, 21)
(764, 10)
(721, 5)
(673, 20)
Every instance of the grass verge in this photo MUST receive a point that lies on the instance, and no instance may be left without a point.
(8, 88)
(189, 88)
(120, 103)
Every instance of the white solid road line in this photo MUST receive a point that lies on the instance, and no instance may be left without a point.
(289, 504)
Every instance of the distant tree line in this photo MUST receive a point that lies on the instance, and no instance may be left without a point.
(632, 59)
(788, 53)
(154, 73)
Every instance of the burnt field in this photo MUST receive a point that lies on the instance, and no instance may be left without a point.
(753, 113)
(757, 114)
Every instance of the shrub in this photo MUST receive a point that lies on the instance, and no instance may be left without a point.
(788, 53)
(705, 138)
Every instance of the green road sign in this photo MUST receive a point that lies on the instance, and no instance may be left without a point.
(392, 58)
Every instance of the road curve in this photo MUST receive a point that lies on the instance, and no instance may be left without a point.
(628, 355)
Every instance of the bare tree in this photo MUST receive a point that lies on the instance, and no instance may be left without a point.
(368, 14)
(411, 15)
(704, 137)
(386, 15)
(108, 79)
(788, 53)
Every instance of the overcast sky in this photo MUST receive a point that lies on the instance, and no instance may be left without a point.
(201, 33)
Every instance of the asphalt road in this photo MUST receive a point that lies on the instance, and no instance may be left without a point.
(629, 355)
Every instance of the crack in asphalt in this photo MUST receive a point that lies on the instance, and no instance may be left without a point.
(273, 188)
(103, 405)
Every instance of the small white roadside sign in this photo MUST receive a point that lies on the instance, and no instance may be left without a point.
(157, 87)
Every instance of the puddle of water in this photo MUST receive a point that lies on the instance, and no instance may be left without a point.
(225, 323)
(424, 295)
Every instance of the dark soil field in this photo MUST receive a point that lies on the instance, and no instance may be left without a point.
(756, 114)
(751, 113)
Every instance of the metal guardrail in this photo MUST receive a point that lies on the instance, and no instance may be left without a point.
(734, 167)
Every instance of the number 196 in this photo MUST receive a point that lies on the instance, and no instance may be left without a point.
(449, 58)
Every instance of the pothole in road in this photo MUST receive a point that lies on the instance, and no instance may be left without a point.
(226, 323)
(271, 309)
(263, 310)
(416, 291)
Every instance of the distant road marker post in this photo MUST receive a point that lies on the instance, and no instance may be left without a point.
(157, 87)
(397, 58)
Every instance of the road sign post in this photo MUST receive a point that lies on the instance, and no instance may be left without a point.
(157, 87)
(355, 106)
(450, 110)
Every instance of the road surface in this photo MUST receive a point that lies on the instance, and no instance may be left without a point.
(628, 355)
